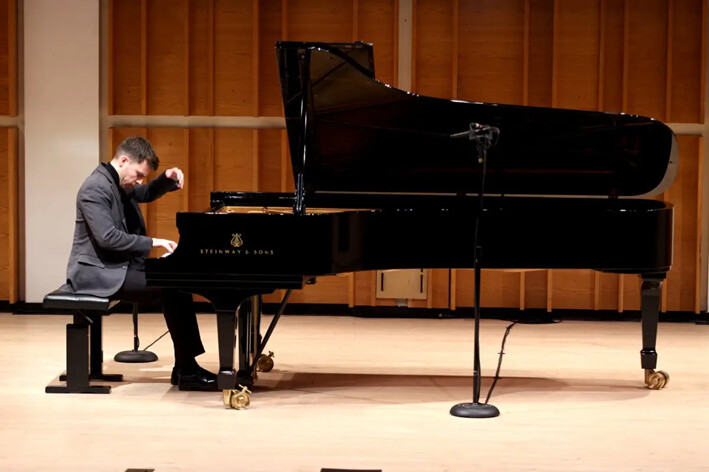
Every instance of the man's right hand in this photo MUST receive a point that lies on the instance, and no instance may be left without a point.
(166, 243)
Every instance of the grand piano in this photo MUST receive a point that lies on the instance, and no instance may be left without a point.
(387, 179)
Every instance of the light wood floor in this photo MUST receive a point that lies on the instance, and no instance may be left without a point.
(366, 394)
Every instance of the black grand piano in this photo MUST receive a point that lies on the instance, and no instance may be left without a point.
(385, 181)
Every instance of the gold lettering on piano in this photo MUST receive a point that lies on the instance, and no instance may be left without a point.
(236, 252)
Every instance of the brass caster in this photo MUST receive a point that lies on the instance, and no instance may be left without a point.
(265, 362)
(656, 380)
(237, 399)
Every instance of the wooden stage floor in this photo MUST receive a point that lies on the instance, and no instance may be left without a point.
(355, 393)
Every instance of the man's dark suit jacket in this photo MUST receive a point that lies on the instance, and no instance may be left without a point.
(102, 246)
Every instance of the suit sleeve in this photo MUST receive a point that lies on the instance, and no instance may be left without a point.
(95, 205)
(154, 189)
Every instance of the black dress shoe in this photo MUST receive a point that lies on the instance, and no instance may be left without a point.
(175, 376)
(197, 380)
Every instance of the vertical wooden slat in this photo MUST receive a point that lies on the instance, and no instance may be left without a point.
(395, 56)
(256, 47)
(186, 54)
(110, 59)
(621, 292)
(626, 56)
(414, 45)
(144, 57)
(284, 160)
(355, 20)
(555, 56)
(455, 58)
(670, 40)
(525, 102)
(185, 192)
(703, 68)
(373, 288)
(596, 291)
(550, 291)
(700, 213)
(601, 54)
(255, 157)
(13, 216)
(452, 298)
(12, 57)
(284, 19)
(522, 290)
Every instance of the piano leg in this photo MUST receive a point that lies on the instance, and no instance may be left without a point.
(246, 316)
(226, 335)
(650, 310)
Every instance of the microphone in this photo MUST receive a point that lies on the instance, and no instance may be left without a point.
(485, 137)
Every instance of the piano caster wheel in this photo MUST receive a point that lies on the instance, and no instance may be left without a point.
(237, 399)
(656, 380)
(265, 362)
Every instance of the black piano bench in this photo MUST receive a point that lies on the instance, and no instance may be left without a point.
(84, 343)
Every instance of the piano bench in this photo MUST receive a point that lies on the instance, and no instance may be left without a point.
(84, 342)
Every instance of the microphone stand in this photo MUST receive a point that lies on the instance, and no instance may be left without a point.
(485, 137)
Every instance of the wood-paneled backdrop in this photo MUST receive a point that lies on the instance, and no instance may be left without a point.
(9, 196)
(215, 59)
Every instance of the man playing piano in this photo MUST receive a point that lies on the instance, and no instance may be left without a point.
(110, 246)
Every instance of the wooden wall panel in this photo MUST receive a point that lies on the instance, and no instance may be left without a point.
(200, 171)
(126, 95)
(8, 57)
(172, 147)
(167, 49)
(377, 22)
(491, 45)
(536, 288)
(319, 20)
(330, 289)
(646, 58)
(684, 194)
(433, 48)
(9, 255)
(217, 57)
(576, 54)
(233, 58)
(540, 53)
(573, 289)
(685, 99)
(233, 160)
(608, 291)
(269, 160)
(612, 47)
(201, 57)
(270, 31)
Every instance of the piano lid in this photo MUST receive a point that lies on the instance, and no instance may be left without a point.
(350, 133)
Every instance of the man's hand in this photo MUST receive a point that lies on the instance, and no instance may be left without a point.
(166, 243)
(176, 175)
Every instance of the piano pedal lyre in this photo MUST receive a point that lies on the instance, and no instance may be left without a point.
(237, 399)
(265, 362)
(656, 380)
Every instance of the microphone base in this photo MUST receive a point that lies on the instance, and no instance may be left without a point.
(135, 356)
(474, 410)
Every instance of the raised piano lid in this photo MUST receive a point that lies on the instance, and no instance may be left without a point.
(350, 133)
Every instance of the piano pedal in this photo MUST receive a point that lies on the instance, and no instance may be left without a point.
(656, 380)
(237, 399)
(265, 362)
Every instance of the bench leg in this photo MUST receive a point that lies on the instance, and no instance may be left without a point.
(96, 357)
(77, 361)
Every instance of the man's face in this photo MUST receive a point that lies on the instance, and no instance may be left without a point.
(132, 173)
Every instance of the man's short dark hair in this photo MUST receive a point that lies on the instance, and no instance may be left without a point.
(139, 149)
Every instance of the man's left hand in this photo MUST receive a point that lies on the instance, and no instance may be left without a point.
(176, 175)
